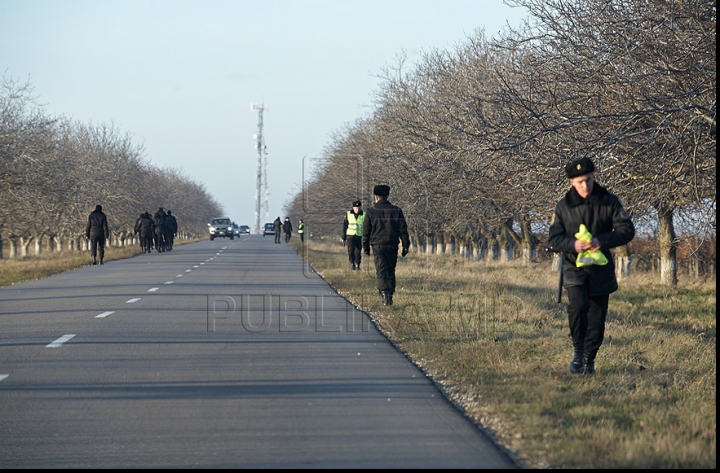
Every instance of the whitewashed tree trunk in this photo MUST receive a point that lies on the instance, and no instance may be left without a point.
(556, 262)
(13, 249)
(622, 262)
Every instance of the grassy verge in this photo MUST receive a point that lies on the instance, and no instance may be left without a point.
(493, 338)
(29, 268)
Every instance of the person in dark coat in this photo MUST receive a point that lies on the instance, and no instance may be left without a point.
(277, 226)
(352, 234)
(287, 229)
(588, 286)
(171, 229)
(159, 219)
(98, 233)
(145, 228)
(384, 228)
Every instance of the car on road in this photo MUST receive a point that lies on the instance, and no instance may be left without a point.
(221, 227)
(269, 229)
(245, 229)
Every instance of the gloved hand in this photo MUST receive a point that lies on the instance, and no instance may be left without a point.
(343, 243)
(404, 252)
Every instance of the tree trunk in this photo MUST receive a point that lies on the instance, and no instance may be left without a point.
(556, 262)
(622, 262)
(439, 249)
(668, 247)
(529, 242)
(13, 249)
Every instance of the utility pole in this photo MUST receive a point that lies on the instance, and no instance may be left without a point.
(261, 173)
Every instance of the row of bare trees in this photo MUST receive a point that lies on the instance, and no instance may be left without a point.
(53, 171)
(474, 140)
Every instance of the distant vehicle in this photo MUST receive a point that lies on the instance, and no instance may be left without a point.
(269, 229)
(221, 227)
(236, 230)
(244, 229)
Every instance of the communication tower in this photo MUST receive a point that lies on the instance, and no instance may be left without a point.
(261, 173)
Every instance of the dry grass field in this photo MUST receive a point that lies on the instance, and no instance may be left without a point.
(493, 337)
(494, 340)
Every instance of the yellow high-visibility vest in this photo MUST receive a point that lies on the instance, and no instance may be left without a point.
(301, 228)
(354, 224)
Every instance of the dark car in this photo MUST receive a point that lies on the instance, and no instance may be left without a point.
(269, 229)
(244, 229)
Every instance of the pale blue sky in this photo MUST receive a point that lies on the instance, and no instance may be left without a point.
(180, 75)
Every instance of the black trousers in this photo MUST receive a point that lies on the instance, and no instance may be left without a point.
(354, 248)
(97, 246)
(385, 262)
(586, 317)
(146, 240)
(277, 237)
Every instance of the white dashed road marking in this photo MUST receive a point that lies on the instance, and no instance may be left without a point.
(104, 314)
(153, 289)
(168, 282)
(3, 376)
(60, 341)
(132, 301)
(179, 276)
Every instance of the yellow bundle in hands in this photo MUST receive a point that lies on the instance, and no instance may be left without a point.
(588, 257)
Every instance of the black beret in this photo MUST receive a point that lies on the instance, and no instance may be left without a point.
(357, 203)
(579, 167)
(382, 190)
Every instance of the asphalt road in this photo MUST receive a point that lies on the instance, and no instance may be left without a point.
(222, 354)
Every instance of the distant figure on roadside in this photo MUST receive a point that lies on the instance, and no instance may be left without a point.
(159, 219)
(144, 228)
(171, 229)
(277, 226)
(287, 229)
(588, 221)
(301, 230)
(98, 233)
(384, 228)
(352, 234)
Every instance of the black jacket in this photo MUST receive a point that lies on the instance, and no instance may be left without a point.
(145, 226)
(287, 226)
(606, 220)
(97, 225)
(384, 224)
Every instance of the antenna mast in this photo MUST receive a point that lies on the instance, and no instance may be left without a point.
(261, 173)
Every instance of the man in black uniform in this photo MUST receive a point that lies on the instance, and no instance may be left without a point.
(144, 227)
(159, 219)
(384, 228)
(171, 229)
(277, 226)
(287, 229)
(588, 284)
(352, 234)
(98, 233)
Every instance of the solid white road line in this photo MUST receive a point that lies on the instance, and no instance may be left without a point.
(104, 314)
(153, 289)
(60, 341)
(132, 301)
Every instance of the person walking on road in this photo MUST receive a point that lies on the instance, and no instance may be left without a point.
(171, 229)
(352, 234)
(301, 230)
(277, 227)
(383, 228)
(587, 223)
(145, 228)
(160, 232)
(287, 229)
(98, 233)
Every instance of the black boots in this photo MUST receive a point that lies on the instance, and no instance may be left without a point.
(590, 363)
(386, 298)
(577, 365)
(94, 261)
